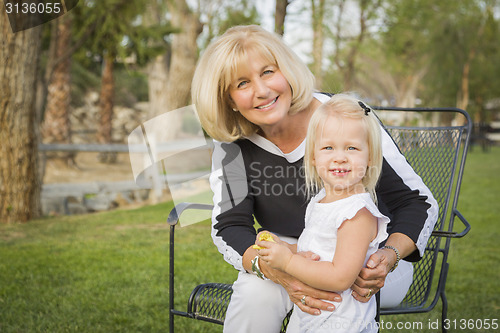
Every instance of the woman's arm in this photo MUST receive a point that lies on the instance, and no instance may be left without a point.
(353, 239)
(233, 229)
(407, 200)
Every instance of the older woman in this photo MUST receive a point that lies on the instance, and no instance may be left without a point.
(255, 97)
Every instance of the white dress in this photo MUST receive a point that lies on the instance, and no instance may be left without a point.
(322, 222)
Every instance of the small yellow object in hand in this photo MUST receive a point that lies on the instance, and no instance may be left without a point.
(265, 236)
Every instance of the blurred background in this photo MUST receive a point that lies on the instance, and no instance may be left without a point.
(80, 84)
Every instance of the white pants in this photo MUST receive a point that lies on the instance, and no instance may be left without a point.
(260, 306)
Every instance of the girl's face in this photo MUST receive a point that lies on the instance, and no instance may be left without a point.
(341, 156)
(261, 93)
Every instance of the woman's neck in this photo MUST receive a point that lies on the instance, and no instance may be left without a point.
(290, 133)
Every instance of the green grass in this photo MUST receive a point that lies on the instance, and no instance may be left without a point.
(472, 284)
(108, 272)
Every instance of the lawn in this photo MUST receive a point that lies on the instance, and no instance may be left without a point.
(108, 272)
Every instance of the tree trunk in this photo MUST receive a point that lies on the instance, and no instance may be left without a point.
(463, 96)
(318, 14)
(56, 126)
(182, 62)
(157, 68)
(407, 90)
(279, 16)
(157, 85)
(19, 182)
(350, 69)
(106, 102)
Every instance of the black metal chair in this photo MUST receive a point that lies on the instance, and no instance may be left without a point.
(437, 154)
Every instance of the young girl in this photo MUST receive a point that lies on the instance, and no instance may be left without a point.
(343, 225)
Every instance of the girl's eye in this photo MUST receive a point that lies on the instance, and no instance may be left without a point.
(327, 148)
(351, 148)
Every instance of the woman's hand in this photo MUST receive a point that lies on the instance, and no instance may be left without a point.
(372, 277)
(313, 302)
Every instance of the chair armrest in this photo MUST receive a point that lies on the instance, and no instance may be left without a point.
(175, 213)
(453, 234)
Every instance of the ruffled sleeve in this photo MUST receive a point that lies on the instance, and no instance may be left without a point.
(349, 207)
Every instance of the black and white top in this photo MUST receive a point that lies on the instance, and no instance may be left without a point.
(252, 179)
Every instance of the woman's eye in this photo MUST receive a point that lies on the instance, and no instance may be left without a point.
(241, 84)
(268, 71)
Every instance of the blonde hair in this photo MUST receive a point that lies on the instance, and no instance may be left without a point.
(219, 64)
(344, 105)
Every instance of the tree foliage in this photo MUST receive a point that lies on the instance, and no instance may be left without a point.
(447, 43)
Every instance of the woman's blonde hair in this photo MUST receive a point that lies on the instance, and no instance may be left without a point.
(219, 64)
(345, 105)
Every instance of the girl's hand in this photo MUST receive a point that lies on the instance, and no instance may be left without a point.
(266, 235)
(276, 255)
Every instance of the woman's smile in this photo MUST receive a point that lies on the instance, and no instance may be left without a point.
(262, 107)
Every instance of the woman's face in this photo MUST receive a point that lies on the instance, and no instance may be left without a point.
(260, 92)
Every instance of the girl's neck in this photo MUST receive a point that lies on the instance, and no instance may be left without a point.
(335, 195)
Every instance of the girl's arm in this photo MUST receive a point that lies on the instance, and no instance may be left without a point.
(353, 239)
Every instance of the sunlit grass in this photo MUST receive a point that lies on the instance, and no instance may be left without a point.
(108, 272)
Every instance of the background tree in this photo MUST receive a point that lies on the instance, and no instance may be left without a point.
(318, 14)
(182, 62)
(401, 57)
(19, 182)
(442, 52)
(157, 67)
(486, 72)
(56, 126)
(349, 40)
(219, 15)
(108, 43)
(279, 16)
(457, 39)
(243, 12)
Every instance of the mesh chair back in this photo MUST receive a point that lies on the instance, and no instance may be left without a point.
(435, 154)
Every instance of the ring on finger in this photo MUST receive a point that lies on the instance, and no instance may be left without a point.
(303, 300)
(369, 293)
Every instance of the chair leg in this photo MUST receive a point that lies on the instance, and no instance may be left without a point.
(171, 279)
(444, 300)
(444, 312)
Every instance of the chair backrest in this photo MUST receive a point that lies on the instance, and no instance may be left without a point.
(437, 153)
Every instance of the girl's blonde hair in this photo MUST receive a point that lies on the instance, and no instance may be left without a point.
(218, 66)
(344, 105)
